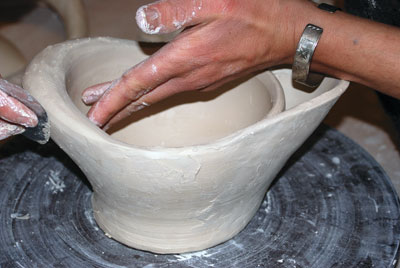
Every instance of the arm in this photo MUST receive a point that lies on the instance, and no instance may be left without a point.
(358, 50)
(231, 38)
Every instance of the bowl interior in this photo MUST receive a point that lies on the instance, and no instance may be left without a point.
(296, 94)
(186, 119)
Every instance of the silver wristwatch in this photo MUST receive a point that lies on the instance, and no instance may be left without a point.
(305, 50)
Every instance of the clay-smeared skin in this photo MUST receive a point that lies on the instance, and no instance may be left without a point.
(230, 38)
(212, 60)
(14, 116)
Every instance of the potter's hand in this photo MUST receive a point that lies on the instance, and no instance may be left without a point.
(14, 116)
(227, 39)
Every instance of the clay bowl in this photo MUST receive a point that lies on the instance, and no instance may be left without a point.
(183, 175)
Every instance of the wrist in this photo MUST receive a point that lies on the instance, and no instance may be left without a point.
(299, 14)
(329, 42)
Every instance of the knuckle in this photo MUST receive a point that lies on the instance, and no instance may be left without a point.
(130, 87)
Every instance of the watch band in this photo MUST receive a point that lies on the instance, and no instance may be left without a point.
(305, 50)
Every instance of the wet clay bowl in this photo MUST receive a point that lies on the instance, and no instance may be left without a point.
(185, 174)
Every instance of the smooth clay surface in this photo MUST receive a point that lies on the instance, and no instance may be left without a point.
(186, 179)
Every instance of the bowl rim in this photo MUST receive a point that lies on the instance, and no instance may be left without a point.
(58, 115)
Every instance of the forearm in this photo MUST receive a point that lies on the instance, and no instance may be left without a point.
(358, 50)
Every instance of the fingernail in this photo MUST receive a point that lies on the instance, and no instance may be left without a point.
(27, 118)
(88, 99)
(29, 122)
(94, 121)
(148, 20)
(92, 117)
(92, 95)
(86, 95)
(17, 112)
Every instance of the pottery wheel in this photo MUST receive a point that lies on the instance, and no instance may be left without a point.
(331, 206)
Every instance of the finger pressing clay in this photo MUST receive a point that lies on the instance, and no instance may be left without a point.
(14, 111)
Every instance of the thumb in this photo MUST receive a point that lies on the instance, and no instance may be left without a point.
(167, 16)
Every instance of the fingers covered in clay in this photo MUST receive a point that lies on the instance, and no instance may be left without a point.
(167, 16)
(14, 116)
(147, 83)
(227, 39)
(13, 111)
(132, 85)
(162, 92)
(94, 93)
